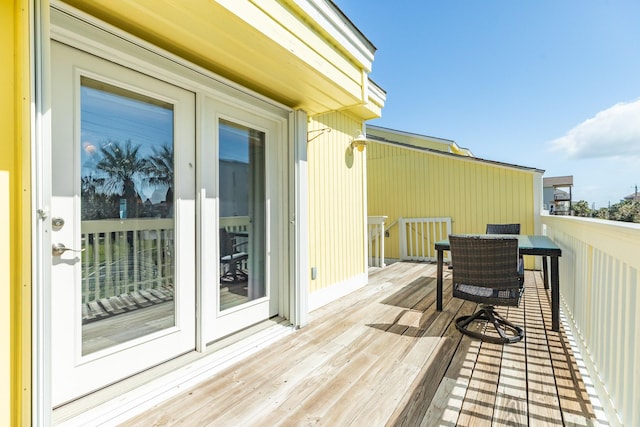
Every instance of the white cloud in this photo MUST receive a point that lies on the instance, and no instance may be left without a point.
(614, 132)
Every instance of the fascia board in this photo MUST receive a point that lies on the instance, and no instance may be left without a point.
(338, 26)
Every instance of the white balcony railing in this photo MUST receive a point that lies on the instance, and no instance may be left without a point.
(129, 255)
(126, 255)
(375, 233)
(240, 225)
(600, 294)
(418, 236)
(235, 224)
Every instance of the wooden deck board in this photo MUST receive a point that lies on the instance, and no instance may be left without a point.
(384, 356)
(511, 397)
(543, 403)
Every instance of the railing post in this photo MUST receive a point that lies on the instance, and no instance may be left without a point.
(381, 253)
(375, 240)
(402, 223)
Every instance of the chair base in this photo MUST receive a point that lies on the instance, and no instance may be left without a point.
(234, 275)
(487, 313)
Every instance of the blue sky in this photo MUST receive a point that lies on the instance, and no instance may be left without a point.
(552, 84)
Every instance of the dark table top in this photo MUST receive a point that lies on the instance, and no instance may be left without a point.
(527, 245)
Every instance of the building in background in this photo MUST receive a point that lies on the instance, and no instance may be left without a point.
(557, 198)
(634, 197)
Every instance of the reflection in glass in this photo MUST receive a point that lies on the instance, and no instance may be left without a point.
(128, 263)
(242, 214)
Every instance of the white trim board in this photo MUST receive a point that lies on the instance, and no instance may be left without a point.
(336, 291)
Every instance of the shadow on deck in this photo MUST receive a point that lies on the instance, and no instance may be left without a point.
(383, 355)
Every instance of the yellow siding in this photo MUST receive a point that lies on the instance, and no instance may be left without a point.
(409, 183)
(14, 229)
(7, 170)
(336, 201)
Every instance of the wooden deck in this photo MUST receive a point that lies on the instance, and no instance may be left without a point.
(384, 356)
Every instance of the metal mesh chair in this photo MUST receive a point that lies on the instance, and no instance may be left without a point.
(486, 272)
(508, 229)
(503, 229)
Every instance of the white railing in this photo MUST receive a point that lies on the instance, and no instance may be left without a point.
(375, 233)
(126, 255)
(418, 236)
(122, 256)
(600, 294)
(235, 224)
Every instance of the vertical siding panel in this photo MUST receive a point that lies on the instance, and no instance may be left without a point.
(338, 242)
(411, 187)
(507, 211)
(336, 197)
(483, 209)
(511, 208)
(465, 196)
(421, 193)
(469, 199)
(502, 193)
(456, 173)
(508, 192)
(475, 185)
(526, 214)
(489, 205)
(430, 186)
(435, 187)
(490, 190)
(333, 175)
(507, 204)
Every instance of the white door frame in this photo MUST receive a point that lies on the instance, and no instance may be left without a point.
(80, 373)
(217, 323)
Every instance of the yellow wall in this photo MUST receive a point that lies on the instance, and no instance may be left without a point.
(14, 235)
(410, 183)
(7, 171)
(336, 200)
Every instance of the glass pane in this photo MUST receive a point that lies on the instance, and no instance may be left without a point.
(242, 214)
(127, 215)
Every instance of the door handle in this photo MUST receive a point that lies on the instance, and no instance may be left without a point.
(58, 249)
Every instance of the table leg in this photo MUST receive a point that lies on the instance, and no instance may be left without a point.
(545, 272)
(439, 281)
(555, 295)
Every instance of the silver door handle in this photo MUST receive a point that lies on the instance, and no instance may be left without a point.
(58, 249)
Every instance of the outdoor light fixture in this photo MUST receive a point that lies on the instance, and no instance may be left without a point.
(359, 142)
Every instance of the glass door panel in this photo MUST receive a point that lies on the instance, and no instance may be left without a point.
(241, 164)
(128, 263)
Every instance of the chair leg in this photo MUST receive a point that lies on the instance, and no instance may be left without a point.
(233, 273)
(501, 325)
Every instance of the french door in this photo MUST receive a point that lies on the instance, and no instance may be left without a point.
(162, 242)
(123, 207)
(242, 217)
